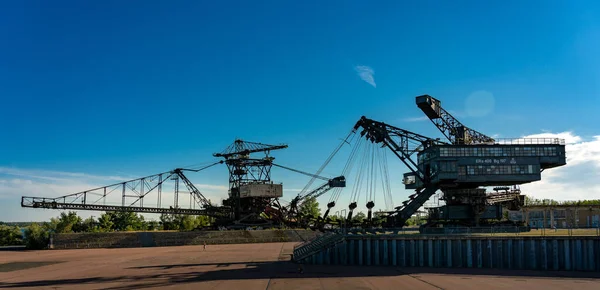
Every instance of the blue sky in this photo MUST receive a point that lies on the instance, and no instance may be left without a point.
(134, 88)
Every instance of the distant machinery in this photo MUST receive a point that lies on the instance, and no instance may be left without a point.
(252, 200)
(250, 187)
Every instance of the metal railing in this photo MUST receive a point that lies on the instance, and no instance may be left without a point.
(530, 141)
(321, 242)
(510, 231)
(316, 239)
(467, 231)
(407, 231)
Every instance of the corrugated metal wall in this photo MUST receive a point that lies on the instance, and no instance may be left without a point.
(533, 253)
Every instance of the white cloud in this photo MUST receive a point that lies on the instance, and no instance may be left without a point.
(210, 186)
(366, 74)
(575, 181)
(416, 119)
(55, 175)
(292, 189)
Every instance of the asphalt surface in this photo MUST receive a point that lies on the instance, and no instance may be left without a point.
(247, 267)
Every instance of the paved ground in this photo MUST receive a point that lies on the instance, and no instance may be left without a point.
(247, 267)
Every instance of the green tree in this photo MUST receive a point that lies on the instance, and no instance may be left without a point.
(310, 208)
(51, 225)
(10, 236)
(90, 225)
(183, 222)
(530, 201)
(105, 223)
(334, 219)
(168, 222)
(203, 221)
(67, 222)
(127, 221)
(36, 237)
(153, 225)
(187, 223)
(359, 217)
(416, 221)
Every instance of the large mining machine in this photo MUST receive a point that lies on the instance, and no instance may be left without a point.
(461, 168)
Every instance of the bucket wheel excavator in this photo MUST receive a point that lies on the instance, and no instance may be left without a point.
(461, 168)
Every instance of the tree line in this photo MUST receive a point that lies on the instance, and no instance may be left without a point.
(536, 202)
(37, 235)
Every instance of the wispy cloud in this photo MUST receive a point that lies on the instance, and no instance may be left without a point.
(211, 186)
(415, 119)
(291, 190)
(457, 114)
(366, 74)
(55, 175)
(480, 104)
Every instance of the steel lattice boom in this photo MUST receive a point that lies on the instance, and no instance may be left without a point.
(133, 194)
(241, 148)
(451, 127)
(336, 182)
(403, 143)
(51, 203)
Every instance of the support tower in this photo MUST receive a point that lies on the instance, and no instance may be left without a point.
(250, 187)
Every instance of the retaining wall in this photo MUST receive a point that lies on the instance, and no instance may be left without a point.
(154, 239)
(532, 253)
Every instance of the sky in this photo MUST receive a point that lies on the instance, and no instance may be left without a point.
(94, 93)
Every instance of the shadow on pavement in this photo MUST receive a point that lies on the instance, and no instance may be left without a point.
(13, 248)
(195, 273)
(16, 266)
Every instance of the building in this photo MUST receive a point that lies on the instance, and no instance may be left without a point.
(559, 216)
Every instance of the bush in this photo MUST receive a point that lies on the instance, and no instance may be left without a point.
(36, 237)
(10, 236)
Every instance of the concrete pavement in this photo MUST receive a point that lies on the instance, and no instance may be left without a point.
(247, 267)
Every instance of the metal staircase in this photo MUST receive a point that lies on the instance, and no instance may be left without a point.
(316, 245)
(415, 202)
